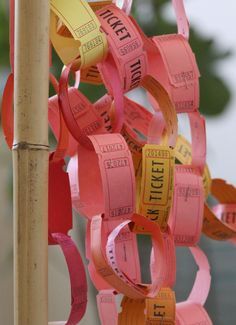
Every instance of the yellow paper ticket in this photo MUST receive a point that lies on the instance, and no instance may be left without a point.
(91, 74)
(157, 183)
(82, 41)
(183, 152)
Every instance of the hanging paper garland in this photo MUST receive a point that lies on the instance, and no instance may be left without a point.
(129, 171)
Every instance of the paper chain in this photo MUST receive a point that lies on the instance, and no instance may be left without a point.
(129, 172)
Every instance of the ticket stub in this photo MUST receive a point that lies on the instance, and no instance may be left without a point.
(87, 117)
(79, 113)
(118, 178)
(112, 275)
(157, 183)
(180, 74)
(126, 249)
(107, 307)
(109, 168)
(81, 42)
(213, 227)
(103, 105)
(187, 210)
(126, 46)
(158, 248)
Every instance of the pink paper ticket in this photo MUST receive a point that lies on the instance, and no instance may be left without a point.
(54, 121)
(89, 117)
(112, 175)
(187, 210)
(126, 47)
(157, 280)
(198, 136)
(178, 73)
(107, 307)
(127, 252)
(77, 277)
(189, 313)
(74, 106)
(116, 278)
(108, 167)
(170, 260)
(182, 20)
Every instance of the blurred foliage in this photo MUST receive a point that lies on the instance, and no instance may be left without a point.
(4, 47)
(215, 94)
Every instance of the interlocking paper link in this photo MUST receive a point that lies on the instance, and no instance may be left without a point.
(157, 183)
(124, 168)
(85, 45)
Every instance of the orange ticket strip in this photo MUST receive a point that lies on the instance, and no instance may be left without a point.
(226, 213)
(156, 311)
(213, 227)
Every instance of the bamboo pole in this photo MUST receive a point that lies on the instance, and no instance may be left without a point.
(30, 162)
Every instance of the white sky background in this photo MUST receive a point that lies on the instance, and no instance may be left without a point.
(217, 19)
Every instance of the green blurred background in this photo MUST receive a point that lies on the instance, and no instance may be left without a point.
(155, 17)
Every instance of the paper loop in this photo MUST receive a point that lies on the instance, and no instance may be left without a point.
(77, 277)
(213, 227)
